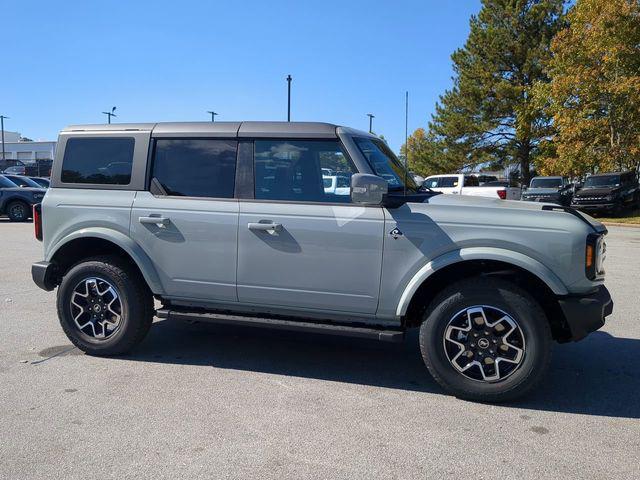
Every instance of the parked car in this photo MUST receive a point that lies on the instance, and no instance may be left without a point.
(337, 184)
(558, 190)
(230, 223)
(608, 193)
(23, 181)
(43, 182)
(459, 184)
(17, 202)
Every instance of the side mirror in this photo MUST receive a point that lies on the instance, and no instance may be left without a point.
(368, 189)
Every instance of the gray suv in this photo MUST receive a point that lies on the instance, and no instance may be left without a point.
(236, 223)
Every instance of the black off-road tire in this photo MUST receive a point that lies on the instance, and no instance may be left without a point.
(136, 299)
(509, 298)
(18, 211)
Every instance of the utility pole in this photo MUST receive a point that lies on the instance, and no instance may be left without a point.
(371, 117)
(289, 98)
(110, 114)
(406, 138)
(213, 115)
(2, 117)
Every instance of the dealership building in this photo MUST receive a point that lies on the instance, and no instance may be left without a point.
(16, 148)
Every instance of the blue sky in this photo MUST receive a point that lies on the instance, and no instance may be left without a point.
(65, 62)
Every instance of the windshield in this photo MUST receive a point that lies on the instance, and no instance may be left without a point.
(385, 164)
(602, 181)
(546, 183)
(6, 183)
(24, 182)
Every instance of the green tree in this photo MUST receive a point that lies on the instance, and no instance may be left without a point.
(422, 155)
(594, 93)
(489, 115)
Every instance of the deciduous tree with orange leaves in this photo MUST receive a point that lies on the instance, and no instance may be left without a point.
(594, 92)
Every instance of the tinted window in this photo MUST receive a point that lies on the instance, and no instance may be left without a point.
(196, 168)
(448, 182)
(385, 164)
(98, 160)
(550, 182)
(602, 181)
(471, 182)
(298, 171)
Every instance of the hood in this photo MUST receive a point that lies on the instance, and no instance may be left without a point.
(511, 212)
(596, 191)
(541, 191)
(25, 189)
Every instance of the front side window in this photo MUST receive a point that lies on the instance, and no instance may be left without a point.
(385, 164)
(24, 182)
(302, 170)
(195, 168)
(105, 161)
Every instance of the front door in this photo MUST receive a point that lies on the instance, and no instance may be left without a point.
(188, 222)
(302, 245)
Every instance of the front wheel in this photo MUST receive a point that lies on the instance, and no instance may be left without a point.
(485, 339)
(104, 306)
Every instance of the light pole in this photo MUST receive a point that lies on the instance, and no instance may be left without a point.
(371, 117)
(2, 117)
(213, 115)
(110, 114)
(289, 97)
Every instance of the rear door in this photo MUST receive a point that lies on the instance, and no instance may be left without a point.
(301, 246)
(187, 221)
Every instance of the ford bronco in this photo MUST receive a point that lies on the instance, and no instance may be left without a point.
(233, 223)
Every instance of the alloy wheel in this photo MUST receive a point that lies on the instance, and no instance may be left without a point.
(96, 308)
(484, 343)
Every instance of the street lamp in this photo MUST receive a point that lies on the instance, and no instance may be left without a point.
(289, 97)
(371, 117)
(2, 117)
(213, 115)
(110, 114)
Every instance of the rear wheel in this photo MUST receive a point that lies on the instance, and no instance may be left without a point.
(18, 211)
(104, 306)
(485, 339)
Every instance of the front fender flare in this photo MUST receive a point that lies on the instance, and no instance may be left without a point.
(140, 258)
(479, 253)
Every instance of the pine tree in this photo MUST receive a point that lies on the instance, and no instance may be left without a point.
(489, 115)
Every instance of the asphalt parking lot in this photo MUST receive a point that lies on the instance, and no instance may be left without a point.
(204, 401)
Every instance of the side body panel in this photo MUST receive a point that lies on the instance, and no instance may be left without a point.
(453, 229)
(195, 253)
(325, 257)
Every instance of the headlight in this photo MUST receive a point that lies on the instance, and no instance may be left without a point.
(595, 255)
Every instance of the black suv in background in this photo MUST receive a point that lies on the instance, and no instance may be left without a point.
(608, 193)
(17, 202)
(549, 190)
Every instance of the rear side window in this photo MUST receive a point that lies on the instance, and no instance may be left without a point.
(106, 161)
(196, 168)
(448, 182)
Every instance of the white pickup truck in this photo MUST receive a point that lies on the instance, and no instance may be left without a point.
(459, 184)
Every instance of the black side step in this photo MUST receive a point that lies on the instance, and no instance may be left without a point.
(292, 325)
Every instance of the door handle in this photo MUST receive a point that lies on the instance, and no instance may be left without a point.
(151, 220)
(265, 227)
